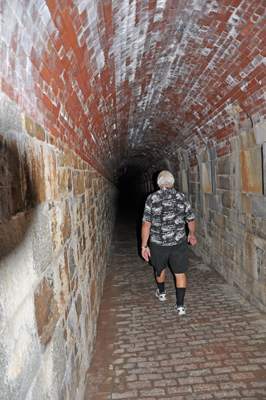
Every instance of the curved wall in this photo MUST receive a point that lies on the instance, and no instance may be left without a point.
(57, 215)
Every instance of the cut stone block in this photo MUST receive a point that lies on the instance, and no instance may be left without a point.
(207, 177)
(184, 181)
(251, 171)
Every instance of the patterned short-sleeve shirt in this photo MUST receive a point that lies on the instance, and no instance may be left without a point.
(167, 210)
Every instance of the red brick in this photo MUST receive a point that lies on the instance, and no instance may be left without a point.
(52, 5)
(54, 131)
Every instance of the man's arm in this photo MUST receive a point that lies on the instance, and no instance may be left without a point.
(191, 235)
(145, 233)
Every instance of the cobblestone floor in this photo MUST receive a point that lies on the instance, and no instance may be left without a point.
(144, 350)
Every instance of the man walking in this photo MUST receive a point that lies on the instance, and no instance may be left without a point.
(165, 214)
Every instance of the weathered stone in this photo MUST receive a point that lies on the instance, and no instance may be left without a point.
(10, 117)
(28, 125)
(63, 181)
(240, 252)
(227, 199)
(61, 159)
(251, 171)
(93, 295)
(87, 180)
(19, 353)
(247, 139)
(37, 173)
(78, 183)
(193, 188)
(261, 231)
(52, 140)
(243, 202)
(5, 188)
(264, 168)
(223, 182)
(71, 263)
(41, 237)
(68, 157)
(241, 218)
(78, 304)
(16, 252)
(213, 202)
(55, 223)
(62, 282)
(257, 293)
(76, 161)
(184, 181)
(14, 169)
(77, 212)
(53, 369)
(223, 165)
(260, 132)
(46, 309)
(259, 264)
(40, 133)
(51, 186)
(65, 225)
(5, 205)
(206, 177)
(95, 186)
(220, 221)
(258, 207)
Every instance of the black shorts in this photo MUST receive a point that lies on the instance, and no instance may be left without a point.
(176, 255)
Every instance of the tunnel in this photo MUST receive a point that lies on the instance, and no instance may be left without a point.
(96, 98)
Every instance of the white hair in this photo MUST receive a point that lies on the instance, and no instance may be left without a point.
(165, 178)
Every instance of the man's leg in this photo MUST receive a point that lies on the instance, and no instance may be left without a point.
(181, 284)
(160, 281)
(160, 292)
(159, 262)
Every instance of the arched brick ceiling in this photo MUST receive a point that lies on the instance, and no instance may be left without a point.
(129, 84)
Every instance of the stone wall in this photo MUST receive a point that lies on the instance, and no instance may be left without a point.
(228, 196)
(56, 221)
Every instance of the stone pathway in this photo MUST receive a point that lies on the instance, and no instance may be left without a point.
(144, 350)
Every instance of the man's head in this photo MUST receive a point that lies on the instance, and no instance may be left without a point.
(165, 178)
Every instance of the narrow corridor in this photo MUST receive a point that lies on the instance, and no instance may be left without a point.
(143, 350)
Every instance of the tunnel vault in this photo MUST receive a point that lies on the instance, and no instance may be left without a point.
(101, 95)
(112, 79)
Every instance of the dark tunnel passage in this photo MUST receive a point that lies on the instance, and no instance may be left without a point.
(96, 98)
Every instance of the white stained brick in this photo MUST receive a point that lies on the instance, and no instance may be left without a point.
(160, 4)
(4, 52)
(26, 43)
(92, 15)
(46, 15)
(18, 9)
(82, 6)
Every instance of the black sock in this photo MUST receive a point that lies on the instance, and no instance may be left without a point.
(180, 294)
(160, 286)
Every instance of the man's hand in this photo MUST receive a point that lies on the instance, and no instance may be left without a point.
(145, 233)
(146, 253)
(191, 239)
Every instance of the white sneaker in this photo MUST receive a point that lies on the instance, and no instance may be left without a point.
(181, 310)
(161, 296)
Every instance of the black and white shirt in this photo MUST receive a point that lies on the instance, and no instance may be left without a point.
(167, 210)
